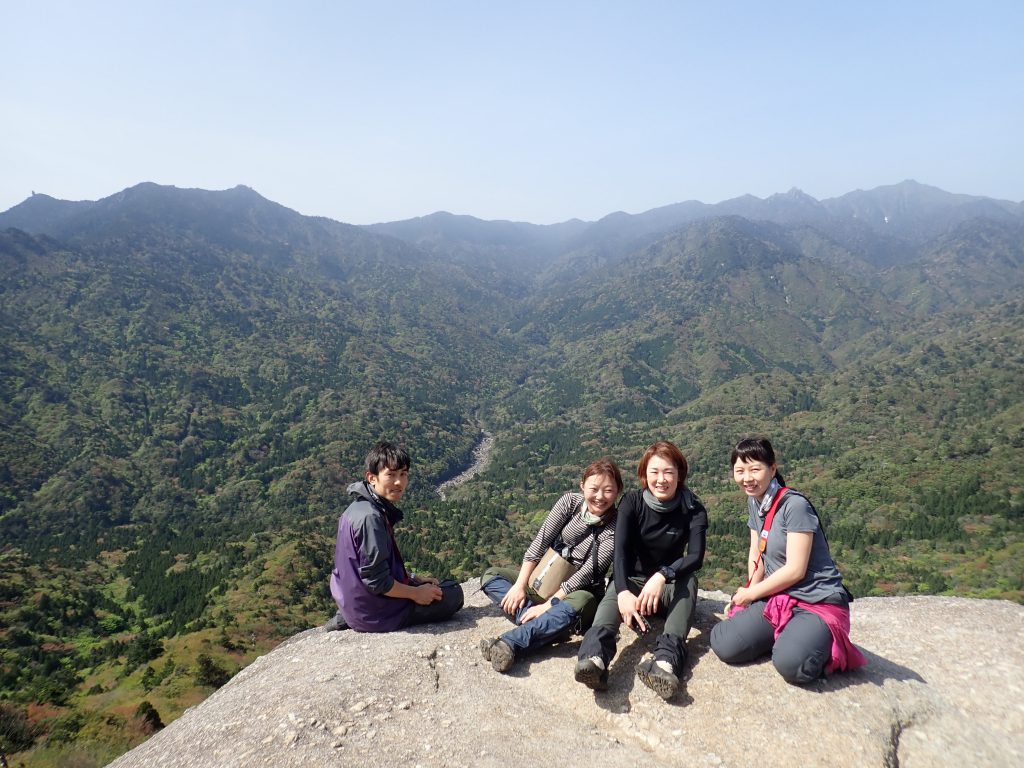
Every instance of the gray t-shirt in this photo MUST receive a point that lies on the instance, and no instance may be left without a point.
(822, 583)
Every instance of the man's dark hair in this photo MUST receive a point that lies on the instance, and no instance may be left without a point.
(386, 455)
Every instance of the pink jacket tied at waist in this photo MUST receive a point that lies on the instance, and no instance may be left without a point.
(845, 655)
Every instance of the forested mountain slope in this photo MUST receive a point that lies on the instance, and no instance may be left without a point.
(189, 380)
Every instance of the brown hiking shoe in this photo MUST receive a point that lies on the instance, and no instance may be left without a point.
(485, 647)
(592, 673)
(658, 676)
(502, 657)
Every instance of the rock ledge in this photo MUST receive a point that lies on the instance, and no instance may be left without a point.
(944, 686)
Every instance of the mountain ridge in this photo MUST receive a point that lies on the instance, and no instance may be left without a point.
(190, 379)
(878, 201)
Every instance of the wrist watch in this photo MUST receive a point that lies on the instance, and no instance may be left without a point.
(668, 573)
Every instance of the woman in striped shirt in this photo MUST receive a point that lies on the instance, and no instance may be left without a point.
(581, 526)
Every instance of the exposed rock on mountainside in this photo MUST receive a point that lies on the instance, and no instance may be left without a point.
(943, 687)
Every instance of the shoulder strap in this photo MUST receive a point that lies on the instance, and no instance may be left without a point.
(593, 549)
(769, 518)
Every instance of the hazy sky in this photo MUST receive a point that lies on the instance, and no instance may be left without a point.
(532, 111)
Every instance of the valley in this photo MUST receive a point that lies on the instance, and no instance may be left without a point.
(190, 379)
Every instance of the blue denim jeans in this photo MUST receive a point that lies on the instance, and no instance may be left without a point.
(557, 623)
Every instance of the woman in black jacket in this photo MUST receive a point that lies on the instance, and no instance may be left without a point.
(659, 547)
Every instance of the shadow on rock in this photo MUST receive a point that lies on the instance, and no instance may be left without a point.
(622, 677)
(566, 650)
(877, 671)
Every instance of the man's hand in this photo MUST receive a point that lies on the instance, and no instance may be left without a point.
(425, 594)
(629, 610)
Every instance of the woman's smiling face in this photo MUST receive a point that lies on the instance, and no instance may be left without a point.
(600, 492)
(662, 478)
(753, 477)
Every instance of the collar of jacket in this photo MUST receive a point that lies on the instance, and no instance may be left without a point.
(382, 505)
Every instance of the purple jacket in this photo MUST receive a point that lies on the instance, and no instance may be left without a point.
(367, 564)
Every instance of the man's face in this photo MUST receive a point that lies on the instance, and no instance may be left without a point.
(389, 484)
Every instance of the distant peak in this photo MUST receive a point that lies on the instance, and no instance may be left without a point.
(145, 186)
(39, 198)
(794, 193)
(242, 189)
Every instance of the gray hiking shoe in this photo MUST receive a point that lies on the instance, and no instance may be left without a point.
(658, 676)
(501, 656)
(485, 647)
(592, 673)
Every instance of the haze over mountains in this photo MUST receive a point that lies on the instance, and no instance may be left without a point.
(190, 378)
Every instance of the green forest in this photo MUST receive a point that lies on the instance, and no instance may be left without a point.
(190, 380)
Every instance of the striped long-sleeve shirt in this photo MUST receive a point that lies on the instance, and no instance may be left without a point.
(564, 524)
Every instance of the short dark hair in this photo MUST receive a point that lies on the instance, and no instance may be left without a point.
(756, 449)
(607, 467)
(669, 452)
(753, 449)
(386, 455)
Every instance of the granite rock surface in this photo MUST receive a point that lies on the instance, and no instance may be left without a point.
(944, 686)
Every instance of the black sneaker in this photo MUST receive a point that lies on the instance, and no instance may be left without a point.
(501, 656)
(592, 673)
(655, 676)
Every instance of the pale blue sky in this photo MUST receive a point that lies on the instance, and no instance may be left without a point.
(532, 111)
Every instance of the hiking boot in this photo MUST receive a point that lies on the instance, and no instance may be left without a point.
(658, 676)
(485, 647)
(592, 673)
(336, 623)
(501, 656)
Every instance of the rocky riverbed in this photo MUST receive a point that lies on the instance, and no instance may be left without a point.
(481, 457)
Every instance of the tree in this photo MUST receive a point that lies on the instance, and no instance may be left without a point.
(150, 679)
(148, 717)
(143, 648)
(16, 733)
(209, 672)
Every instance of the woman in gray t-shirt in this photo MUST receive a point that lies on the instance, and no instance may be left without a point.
(794, 604)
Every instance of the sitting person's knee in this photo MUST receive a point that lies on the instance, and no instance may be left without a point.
(799, 668)
(493, 580)
(727, 643)
(454, 595)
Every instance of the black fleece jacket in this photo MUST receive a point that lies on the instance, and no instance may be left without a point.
(646, 540)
